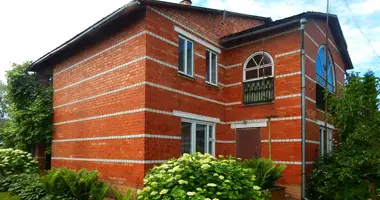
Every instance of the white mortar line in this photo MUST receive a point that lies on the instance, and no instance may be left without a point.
(102, 73)
(225, 141)
(184, 26)
(110, 160)
(310, 99)
(324, 34)
(311, 59)
(287, 53)
(311, 39)
(101, 52)
(339, 83)
(288, 74)
(311, 79)
(102, 94)
(120, 137)
(265, 38)
(199, 76)
(288, 96)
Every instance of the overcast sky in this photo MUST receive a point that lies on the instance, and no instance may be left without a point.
(31, 28)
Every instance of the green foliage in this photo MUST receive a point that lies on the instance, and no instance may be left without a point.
(267, 173)
(71, 184)
(200, 176)
(352, 171)
(120, 196)
(16, 162)
(25, 186)
(29, 108)
(99, 190)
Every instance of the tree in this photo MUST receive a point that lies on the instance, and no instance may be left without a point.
(352, 171)
(28, 105)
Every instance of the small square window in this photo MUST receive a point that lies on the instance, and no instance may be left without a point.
(211, 68)
(185, 56)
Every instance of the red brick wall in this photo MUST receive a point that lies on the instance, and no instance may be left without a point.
(108, 95)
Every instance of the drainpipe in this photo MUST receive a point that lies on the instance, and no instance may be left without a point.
(303, 108)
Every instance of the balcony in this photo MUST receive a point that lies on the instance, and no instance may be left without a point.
(258, 91)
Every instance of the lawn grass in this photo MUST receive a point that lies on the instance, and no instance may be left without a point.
(6, 196)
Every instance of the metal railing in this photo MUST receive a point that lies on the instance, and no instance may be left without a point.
(258, 91)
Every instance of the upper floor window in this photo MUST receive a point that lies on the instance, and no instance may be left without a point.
(258, 79)
(321, 69)
(185, 56)
(325, 76)
(211, 67)
(258, 66)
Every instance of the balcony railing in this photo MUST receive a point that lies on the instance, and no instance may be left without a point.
(258, 91)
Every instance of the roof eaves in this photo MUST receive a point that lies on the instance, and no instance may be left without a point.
(202, 9)
(335, 25)
(35, 65)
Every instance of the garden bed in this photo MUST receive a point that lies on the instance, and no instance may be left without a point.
(277, 192)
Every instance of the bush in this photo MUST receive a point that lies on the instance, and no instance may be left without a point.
(331, 180)
(267, 173)
(25, 186)
(200, 176)
(65, 183)
(16, 162)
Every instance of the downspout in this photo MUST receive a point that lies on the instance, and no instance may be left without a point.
(303, 108)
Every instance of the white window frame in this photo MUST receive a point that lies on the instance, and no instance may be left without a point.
(327, 72)
(329, 141)
(185, 72)
(260, 67)
(193, 133)
(209, 64)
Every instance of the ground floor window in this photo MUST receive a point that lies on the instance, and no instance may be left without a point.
(326, 140)
(197, 137)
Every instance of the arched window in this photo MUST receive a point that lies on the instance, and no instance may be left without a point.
(321, 69)
(258, 79)
(258, 66)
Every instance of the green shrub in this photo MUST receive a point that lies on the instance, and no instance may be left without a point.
(79, 185)
(16, 162)
(267, 173)
(200, 176)
(25, 186)
(129, 194)
(331, 180)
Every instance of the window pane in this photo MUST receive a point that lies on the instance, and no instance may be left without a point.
(214, 65)
(251, 64)
(258, 59)
(200, 138)
(268, 71)
(266, 60)
(181, 55)
(189, 58)
(185, 138)
(251, 74)
(261, 72)
(208, 66)
(211, 141)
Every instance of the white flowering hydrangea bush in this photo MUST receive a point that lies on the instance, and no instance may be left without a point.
(201, 177)
(16, 162)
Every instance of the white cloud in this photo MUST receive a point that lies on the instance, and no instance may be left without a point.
(29, 29)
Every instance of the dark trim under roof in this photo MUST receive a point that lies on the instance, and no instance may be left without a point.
(133, 6)
(265, 29)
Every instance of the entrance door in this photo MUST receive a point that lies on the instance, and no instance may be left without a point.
(248, 143)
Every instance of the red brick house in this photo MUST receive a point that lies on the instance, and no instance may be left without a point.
(154, 80)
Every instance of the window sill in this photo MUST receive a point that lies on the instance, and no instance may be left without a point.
(186, 76)
(212, 85)
(258, 104)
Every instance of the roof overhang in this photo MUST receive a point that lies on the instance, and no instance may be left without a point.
(283, 24)
(136, 5)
